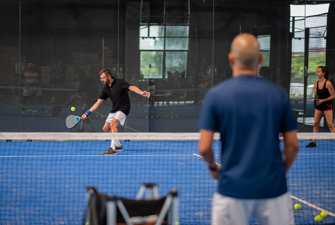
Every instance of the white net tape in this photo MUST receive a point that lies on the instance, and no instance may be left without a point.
(150, 136)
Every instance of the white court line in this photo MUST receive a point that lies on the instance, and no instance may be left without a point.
(298, 199)
(42, 156)
(319, 154)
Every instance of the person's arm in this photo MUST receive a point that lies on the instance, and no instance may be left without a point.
(330, 88)
(39, 80)
(138, 91)
(92, 109)
(291, 148)
(23, 81)
(206, 151)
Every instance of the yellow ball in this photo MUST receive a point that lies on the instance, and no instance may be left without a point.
(297, 206)
(323, 214)
(73, 108)
(318, 218)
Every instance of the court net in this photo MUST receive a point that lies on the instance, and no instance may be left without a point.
(44, 175)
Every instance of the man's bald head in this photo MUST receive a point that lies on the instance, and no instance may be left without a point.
(244, 52)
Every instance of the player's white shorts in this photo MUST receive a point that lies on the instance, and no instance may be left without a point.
(120, 116)
(270, 211)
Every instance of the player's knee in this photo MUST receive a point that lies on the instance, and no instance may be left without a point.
(316, 124)
(106, 129)
(330, 125)
(114, 125)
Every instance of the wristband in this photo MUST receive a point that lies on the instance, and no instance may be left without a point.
(88, 112)
(213, 168)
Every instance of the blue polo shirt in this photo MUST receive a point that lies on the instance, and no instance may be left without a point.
(249, 112)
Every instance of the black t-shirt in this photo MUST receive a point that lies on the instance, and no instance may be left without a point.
(324, 92)
(118, 94)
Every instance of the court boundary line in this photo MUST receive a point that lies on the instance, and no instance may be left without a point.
(318, 154)
(296, 198)
(43, 156)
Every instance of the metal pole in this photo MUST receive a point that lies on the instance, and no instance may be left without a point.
(103, 54)
(19, 120)
(305, 71)
(213, 46)
(118, 38)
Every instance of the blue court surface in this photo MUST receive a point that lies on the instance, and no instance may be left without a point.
(45, 182)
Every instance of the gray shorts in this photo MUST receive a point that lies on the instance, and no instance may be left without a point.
(270, 211)
(120, 116)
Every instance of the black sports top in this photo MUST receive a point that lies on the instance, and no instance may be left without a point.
(322, 93)
(118, 93)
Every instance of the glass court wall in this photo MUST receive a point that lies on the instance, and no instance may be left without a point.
(51, 52)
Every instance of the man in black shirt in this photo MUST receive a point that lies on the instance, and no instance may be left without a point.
(117, 91)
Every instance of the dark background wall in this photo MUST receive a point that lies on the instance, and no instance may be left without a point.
(70, 41)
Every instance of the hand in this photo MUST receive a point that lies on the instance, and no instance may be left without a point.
(146, 94)
(84, 116)
(215, 173)
(319, 102)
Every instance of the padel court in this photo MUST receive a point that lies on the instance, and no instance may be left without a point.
(45, 182)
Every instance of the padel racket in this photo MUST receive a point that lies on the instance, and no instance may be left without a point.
(72, 121)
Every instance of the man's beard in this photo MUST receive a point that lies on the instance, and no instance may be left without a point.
(108, 81)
